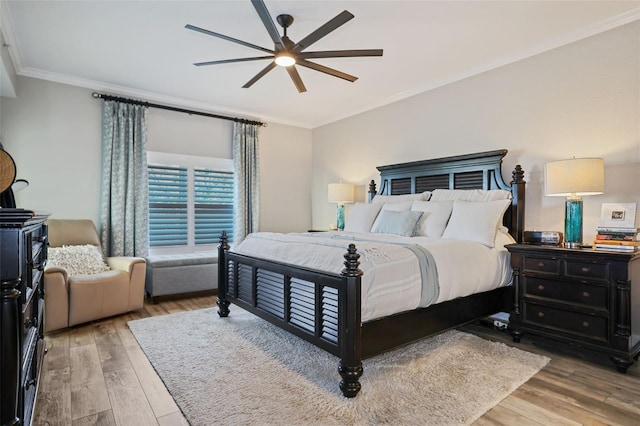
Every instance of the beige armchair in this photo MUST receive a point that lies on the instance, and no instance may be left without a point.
(71, 300)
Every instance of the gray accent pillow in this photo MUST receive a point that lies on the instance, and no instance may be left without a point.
(399, 223)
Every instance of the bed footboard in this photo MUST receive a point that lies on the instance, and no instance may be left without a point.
(319, 307)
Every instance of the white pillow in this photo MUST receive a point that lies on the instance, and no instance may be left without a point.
(404, 206)
(470, 194)
(399, 223)
(434, 218)
(361, 217)
(423, 196)
(77, 260)
(476, 221)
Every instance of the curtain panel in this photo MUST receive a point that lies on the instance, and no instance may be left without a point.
(124, 206)
(247, 182)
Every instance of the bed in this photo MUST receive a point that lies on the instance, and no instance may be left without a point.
(325, 308)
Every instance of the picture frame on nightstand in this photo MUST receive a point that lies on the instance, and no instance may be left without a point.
(618, 215)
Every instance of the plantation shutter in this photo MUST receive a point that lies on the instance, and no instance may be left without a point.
(213, 205)
(168, 221)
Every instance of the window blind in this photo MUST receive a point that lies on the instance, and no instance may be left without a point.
(168, 205)
(213, 205)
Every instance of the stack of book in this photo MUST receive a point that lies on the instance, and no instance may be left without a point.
(616, 239)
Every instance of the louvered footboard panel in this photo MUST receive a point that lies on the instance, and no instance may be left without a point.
(245, 283)
(329, 330)
(302, 304)
(270, 292)
(231, 279)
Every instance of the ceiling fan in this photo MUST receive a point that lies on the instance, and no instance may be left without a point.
(288, 54)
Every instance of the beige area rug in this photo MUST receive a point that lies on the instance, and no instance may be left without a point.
(242, 370)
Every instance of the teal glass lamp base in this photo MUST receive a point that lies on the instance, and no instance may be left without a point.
(340, 217)
(573, 222)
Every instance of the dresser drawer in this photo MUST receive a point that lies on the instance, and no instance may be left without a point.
(571, 292)
(587, 326)
(542, 264)
(588, 270)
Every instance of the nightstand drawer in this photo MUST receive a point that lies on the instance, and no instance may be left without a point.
(588, 326)
(540, 264)
(597, 271)
(566, 291)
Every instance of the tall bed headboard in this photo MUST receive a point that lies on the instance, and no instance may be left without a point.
(471, 171)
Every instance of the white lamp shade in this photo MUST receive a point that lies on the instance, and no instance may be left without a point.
(340, 193)
(574, 177)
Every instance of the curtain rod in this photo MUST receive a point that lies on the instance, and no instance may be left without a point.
(170, 108)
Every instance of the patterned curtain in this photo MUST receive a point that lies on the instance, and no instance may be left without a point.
(247, 182)
(124, 206)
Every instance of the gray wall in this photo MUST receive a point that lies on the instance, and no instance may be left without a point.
(53, 132)
(579, 100)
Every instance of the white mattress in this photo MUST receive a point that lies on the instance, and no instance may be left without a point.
(391, 280)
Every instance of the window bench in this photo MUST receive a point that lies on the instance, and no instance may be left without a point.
(181, 273)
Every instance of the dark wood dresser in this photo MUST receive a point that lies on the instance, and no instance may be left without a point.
(23, 254)
(586, 298)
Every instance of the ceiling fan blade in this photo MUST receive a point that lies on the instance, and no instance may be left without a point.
(293, 73)
(261, 74)
(224, 37)
(264, 15)
(340, 53)
(325, 29)
(230, 61)
(326, 70)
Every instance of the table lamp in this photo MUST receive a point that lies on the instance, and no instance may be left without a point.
(340, 193)
(572, 179)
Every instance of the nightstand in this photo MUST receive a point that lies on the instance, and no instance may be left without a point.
(582, 297)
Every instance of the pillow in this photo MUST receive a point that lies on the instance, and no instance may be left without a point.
(77, 260)
(399, 223)
(503, 237)
(476, 221)
(470, 194)
(361, 217)
(434, 218)
(423, 196)
(393, 207)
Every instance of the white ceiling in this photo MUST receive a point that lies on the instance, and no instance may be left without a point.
(141, 48)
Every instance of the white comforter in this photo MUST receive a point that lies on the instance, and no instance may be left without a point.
(392, 280)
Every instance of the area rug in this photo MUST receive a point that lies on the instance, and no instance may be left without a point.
(242, 370)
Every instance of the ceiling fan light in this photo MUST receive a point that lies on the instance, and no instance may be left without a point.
(285, 60)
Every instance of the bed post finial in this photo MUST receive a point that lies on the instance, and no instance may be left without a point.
(372, 190)
(517, 174)
(351, 262)
(221, 301)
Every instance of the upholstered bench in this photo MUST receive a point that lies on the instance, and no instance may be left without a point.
(181, 273)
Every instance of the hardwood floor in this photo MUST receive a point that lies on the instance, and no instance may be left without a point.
(96, 374)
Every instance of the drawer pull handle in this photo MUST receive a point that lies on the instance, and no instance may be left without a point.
(585, 269)
(585, 323)
(540, 264)
(540, 287)
(540, 314)
(585, 294)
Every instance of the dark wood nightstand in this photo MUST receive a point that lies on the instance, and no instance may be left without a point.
(586, 298)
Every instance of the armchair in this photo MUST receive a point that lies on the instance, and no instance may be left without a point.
(71, 300)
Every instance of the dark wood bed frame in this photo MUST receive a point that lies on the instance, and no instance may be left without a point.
(324, 308)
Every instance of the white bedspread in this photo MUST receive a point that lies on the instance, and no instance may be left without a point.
(391, 280)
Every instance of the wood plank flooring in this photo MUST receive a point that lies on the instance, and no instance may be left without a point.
(96, 374)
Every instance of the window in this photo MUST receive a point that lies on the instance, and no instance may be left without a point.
(190, 202)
